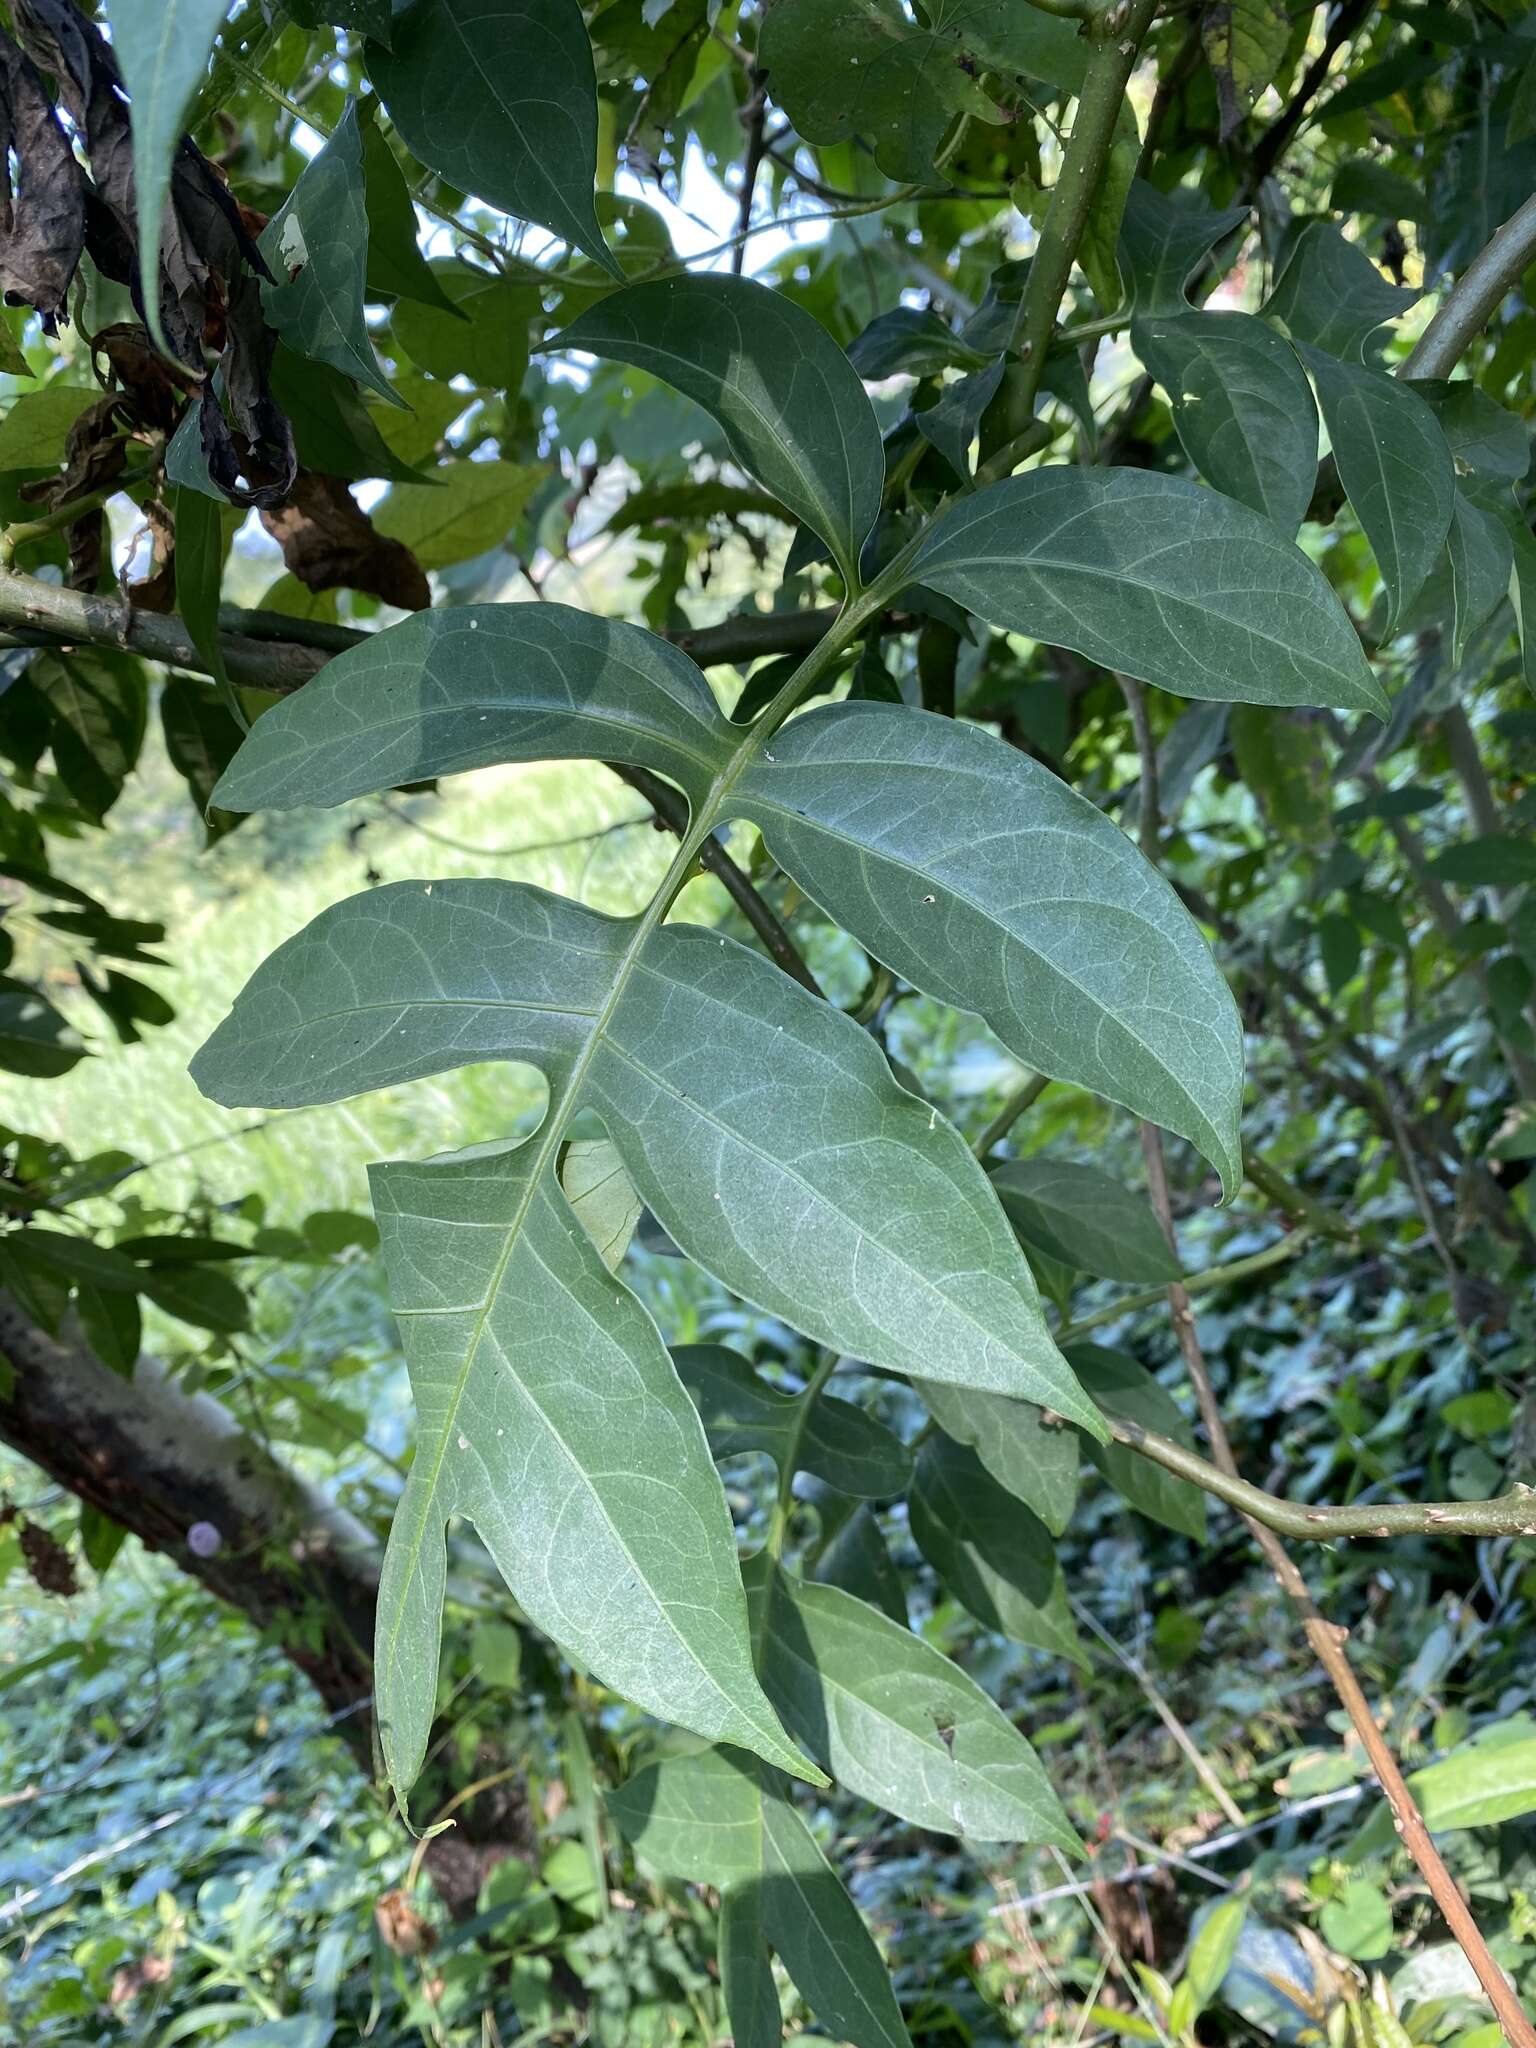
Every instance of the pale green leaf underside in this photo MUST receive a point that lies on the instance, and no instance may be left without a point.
(1076, 952)
(789, 401)
(892, 1719)
(762, 1127)
(987, 882)
(549, 1416)
(720, 1819)
(162, 48)
(499, 97)
(1154, 576)
(317, 249)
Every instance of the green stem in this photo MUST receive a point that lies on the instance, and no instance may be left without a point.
(1295, 1202)
(24, 530)
(1511, 1514)
(789, 1463)
(1195, 1283)
(1117, 37)
(1024, 1097)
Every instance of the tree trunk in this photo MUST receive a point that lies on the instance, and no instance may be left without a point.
(163, 1463)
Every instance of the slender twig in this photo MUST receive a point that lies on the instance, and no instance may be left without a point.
(1194, 1283)
(754, 118)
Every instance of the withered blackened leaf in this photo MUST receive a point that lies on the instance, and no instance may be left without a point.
(42, 217)
(256, 442)
(330, 543)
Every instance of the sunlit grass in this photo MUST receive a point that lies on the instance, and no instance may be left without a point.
(227, 908)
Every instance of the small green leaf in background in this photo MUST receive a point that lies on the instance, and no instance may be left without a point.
(1245, 41)
(35, 425)
(162, 48)
(479, 330)
(1156, 577)
(787, 398)
(1081, 1216)
(839, 1444)
(467, 509)
(721, 1819)
(499, 97)
(1358, 1922)
(991, 1552)
(861, 67)
(1285, 760)
(602, 1196)
(317, 249)
(1212, 1950)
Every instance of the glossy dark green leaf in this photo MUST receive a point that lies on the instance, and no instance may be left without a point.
(475, 685)
(200, 1295)
(1495, 861)
(479, 331)
(1156, 577)
(1070, 946)
(1125, 1389)
(1481, 435)
(1083, 1217)
(896, 1722)
(1395, 466)
(992, 1553)
(1331, 295)
(317, 248)
(1033, 1459)
(912, 340)
(741, 1413)
(201, 739)
(548, 1416)
(465, 510)
(797, 1196)
(790, 403)
(1482, 561)
(499, 98)
(721, 1819)
(1163, 237)
(396, 267)
(96, 702)
(35, 1040)
(1242, 406)
(841, 68)
(858, 1559)
(162, 49)
(334, 429)
(746, 1972)
(951, 423)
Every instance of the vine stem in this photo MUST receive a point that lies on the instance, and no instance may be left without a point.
(1116, 38)
(1194, 1283)
(1326, 1638)
(1475, 295)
